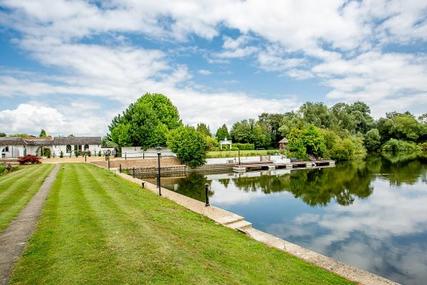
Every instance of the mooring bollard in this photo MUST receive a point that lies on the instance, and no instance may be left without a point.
(206, 195)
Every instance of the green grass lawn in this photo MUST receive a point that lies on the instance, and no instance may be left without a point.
(97, 228)
(17, 188)
(234, 153)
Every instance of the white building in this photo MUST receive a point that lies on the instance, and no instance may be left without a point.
(138, 152)
(12, 147)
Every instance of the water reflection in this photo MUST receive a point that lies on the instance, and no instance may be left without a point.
(371, 214)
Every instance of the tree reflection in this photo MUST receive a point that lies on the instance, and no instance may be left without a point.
(318, 187)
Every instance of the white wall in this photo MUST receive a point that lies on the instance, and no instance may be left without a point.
(13, 151)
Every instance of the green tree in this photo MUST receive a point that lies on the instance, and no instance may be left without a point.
(189, 145)
(373, 140)
(290, 121)
(251, 131)
(145, 123)
(2, 135)
(43, 134)
(306, 141)
(316, 114)
(222, 133)
(355, 118)
(400, 126)
(273, 122)
(204, 129)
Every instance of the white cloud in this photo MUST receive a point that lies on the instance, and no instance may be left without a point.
(204, 72)
(337, 41)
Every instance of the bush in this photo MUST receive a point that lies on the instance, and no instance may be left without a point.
(243, 146)
(99, 153)
(61, 155)
(423, 146)
(29, 159)
(189, 145)
(396, 146)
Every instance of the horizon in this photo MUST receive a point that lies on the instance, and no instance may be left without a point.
(74, 65)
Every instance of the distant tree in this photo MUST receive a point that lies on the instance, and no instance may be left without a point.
(145, 123)
(354, 118)
(43, 134)
(273, 122)
(222, 133)
(189, 145)
(423, 118)
(373, 140)
(400, 126)
(203, 129)
(306, 141)
(2, 135)
(316, 114)
(250, 131)
(291, 120)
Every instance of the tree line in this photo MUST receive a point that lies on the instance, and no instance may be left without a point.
(341, 132)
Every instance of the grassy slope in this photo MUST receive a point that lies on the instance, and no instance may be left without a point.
(99, 229)
(234, 153)
(16, 190)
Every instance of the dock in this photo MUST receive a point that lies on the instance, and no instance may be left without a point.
(241, 168)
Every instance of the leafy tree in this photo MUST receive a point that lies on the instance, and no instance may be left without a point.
(355, 118)
(291, 120)
(43, 134)
(250, 131)
(400, 126)
(273, 122)
(373, 140)
(145, 123)
(2, 135)
(396, 146)
(316, 114)
(306, 141)
(222, 133)
(189, 145)
(204, 129)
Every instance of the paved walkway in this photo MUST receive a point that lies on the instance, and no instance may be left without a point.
(14, 238)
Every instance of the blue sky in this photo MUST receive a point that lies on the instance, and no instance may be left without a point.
(70, 66)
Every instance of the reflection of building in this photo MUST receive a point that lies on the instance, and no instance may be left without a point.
(283, 143)
(11, 147)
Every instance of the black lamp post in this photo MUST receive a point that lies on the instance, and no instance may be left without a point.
(159, 153)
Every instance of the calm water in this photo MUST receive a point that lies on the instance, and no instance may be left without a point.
(372, 215)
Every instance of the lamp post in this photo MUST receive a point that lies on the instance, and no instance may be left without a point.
(238, 153)
(158, 169)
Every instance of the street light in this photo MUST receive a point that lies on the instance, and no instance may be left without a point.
(159, 153)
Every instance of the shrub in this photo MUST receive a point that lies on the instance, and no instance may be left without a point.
(29, 159)
(61, 155)
(99, 153)
(243, 146)
(423, 146)
(395, 146)
(189, 145)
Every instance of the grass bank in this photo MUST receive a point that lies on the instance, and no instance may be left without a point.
(235, 153)
(97, 228)
(17, 188)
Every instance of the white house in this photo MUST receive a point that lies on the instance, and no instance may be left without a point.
(12, 147)
(138, 152)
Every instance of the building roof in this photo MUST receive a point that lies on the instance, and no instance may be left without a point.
(50, 141)
(11, 141)
(77, 140)
(284, 140)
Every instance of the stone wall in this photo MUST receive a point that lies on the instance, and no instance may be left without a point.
(139, 163)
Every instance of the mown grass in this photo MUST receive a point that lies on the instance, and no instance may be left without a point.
(97, 228)
(17, 188)
(235, 153)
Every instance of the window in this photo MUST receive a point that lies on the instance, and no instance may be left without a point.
(68, 150)
(86, 146)
(6, 149)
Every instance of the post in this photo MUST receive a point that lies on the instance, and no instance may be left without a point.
(158, 173)
(120, 168)
(85, 157)
(126, 155)
(108, 161)
(133, 172)
(143, 184)
(207, 195)
(238, 151)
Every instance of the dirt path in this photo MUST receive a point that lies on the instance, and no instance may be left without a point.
(14, 238)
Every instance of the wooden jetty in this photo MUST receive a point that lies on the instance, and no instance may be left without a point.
(269, 165)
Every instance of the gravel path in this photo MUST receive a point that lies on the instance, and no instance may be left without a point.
(14, 238)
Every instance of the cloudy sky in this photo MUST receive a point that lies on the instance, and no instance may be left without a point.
(70, 66)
